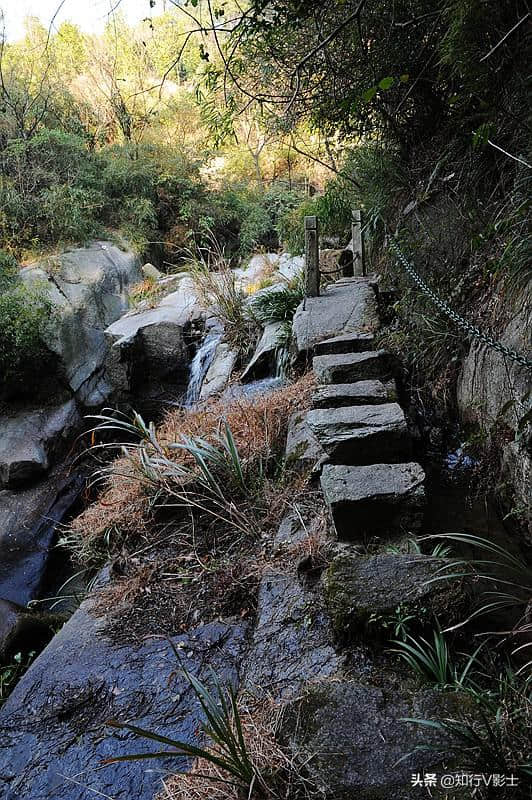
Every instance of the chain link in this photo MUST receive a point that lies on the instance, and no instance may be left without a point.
(462, 323)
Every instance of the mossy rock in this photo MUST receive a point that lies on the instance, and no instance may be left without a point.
(363, 591)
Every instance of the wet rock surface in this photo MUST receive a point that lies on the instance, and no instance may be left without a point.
(292, 641)
(30, 439)
(28, 522)
(219, 373)
(379, 497)
(53, 725)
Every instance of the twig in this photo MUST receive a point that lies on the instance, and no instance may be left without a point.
(506, 35)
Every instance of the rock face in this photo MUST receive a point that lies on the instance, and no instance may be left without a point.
(351, 367)
(292, 642)
(30, 439)
(219, 372)
(357, 435)
(264, 358)
(359, 588)
(364, 501)
(151, 345)
(341, 309)
(361, 393)
(493, 390)
(28, 521)
(53, 725)
(89, 290)
(353, 738)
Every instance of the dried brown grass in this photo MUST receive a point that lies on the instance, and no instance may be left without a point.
(281, 776)
(259, 426)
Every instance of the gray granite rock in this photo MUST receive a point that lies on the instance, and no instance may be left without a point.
(263, 361)
(292, 641)
(54, 736)
(356, 435)
(341, 309)
(353, 739)
(358, 588)
(30, 439)
(361, 393)
(219, 373)
(28, 521)
(378, 498)
(351, 367)
(302, 448)
(89, 290)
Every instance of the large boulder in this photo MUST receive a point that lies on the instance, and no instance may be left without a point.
(219, 371)
(89, 290)
(263, 362)
(374, 499)
(340, 309)
(54, 737)
(151, 345)
(30, 439)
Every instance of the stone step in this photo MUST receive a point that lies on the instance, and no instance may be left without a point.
(361, 393)
(346, 343)
(357, 435)
(303, 451)
(351, 367)
(374, 499)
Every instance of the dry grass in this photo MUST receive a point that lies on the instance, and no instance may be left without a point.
(125, 511)
(281, 773)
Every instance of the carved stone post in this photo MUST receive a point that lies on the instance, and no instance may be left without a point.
(359, 266)
(312, 257)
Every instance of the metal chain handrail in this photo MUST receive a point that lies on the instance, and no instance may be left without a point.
(471, 329)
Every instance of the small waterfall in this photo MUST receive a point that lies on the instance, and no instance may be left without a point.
(200, 364)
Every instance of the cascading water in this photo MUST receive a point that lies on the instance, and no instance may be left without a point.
(199, 366)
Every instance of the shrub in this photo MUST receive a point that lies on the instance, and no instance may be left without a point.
(24, 312)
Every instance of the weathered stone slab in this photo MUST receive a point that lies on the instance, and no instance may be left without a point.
(358, 588)
(373, 499)
(353, 740)
(361, 393)
(351, 367)
(346, 343)
(349, 308)
(302, 447)
(54, 736)
(262, 363)
(356, 435)
(29, 440)
(292, 642)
